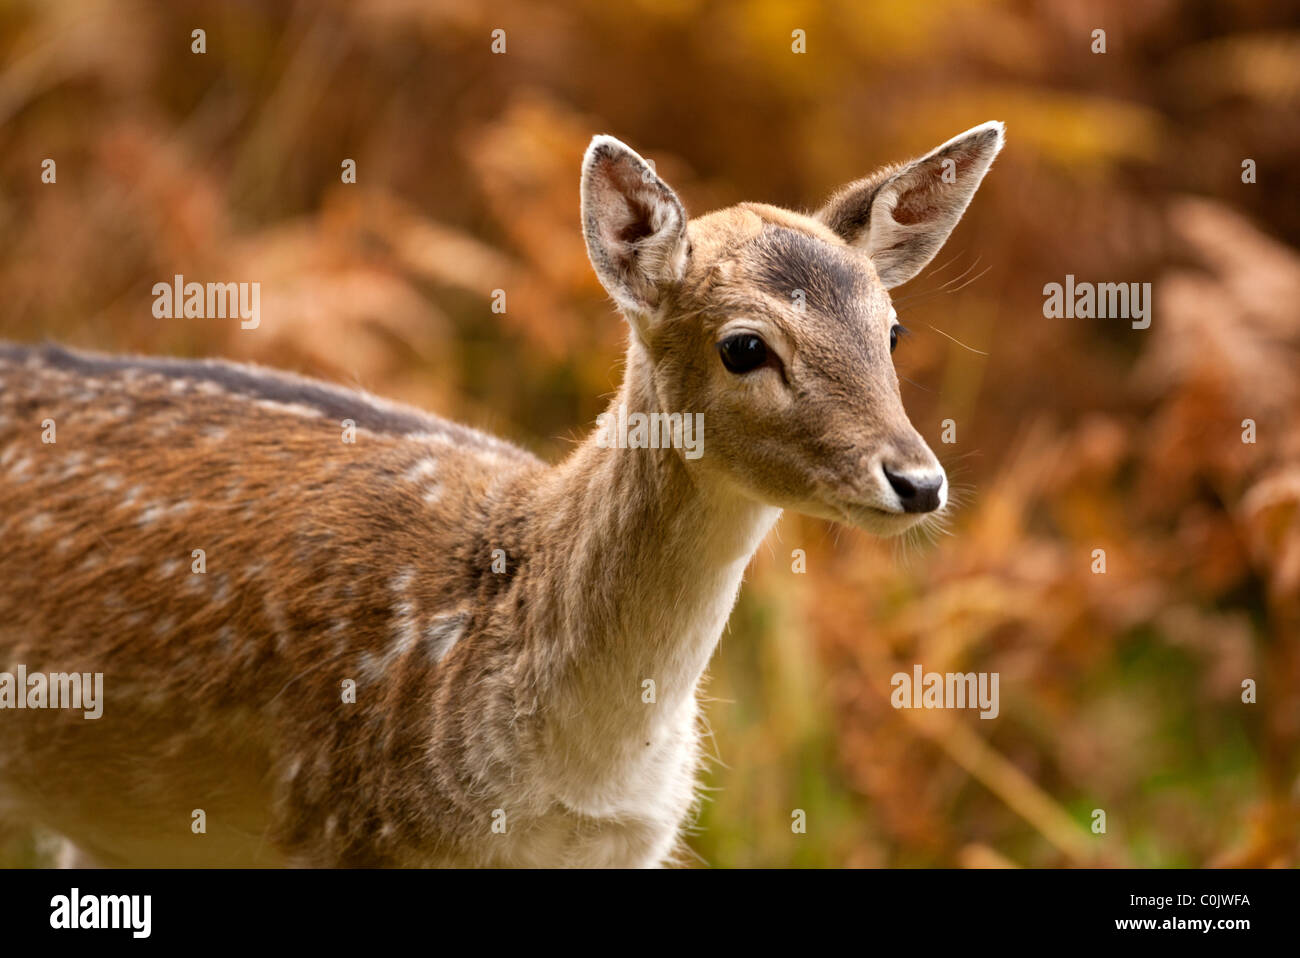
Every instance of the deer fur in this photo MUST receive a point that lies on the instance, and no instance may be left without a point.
(500, 714)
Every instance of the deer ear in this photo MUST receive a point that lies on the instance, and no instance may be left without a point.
(902, 215)
(634, 224)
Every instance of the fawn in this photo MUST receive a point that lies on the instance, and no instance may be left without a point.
(425, 646)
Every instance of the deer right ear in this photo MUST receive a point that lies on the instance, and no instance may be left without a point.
(634, 224)
(903, 214)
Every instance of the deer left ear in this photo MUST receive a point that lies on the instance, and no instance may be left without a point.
(903, 215)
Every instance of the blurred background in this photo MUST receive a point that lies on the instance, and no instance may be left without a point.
(1119, 691)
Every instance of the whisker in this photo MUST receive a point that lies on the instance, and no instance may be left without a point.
(961, 274)
(958, 341)
(931, 274)
(934, 271)
(978, 275)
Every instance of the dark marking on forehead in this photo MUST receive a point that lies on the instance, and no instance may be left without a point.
(254, 382)
(833, 283)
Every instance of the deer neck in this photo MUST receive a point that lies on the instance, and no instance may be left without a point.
(644, 558)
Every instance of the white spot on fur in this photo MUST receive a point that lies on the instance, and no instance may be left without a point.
(294, 408)
(278, 622)
(421, 473)
(72, 463)
(426, 468)
(406, 632)
(226, 638)
(443, 633)
(39, 523)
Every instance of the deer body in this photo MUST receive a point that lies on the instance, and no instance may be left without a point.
(499, 621)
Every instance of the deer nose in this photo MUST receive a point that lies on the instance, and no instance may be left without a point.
(917, 490)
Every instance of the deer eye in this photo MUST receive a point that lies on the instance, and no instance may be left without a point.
(743, 352)
(894, 332)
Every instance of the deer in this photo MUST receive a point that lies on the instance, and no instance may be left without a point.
(336, 631)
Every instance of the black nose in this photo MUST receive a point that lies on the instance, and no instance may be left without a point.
(918, 492)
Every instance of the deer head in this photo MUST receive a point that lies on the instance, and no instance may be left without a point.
(778, 327)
